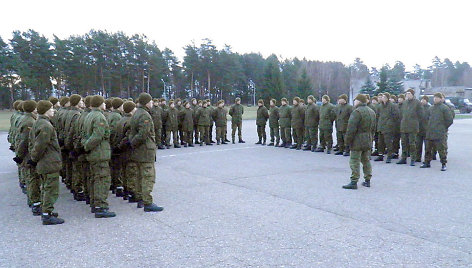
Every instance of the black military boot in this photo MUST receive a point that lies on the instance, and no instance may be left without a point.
(209, 143)
(425, 165)
(308, 148)
(104, 213)
(375, 153)
(259, 142)
(346, 154)
(160, 147)
(233, 141)
(271, 144)
(218, 142)
(389, 160)
(443, 168)
(379, 158)
(152, 208)
(191, 145)
(276, 144)
(140, 204)
(319, 150)
(49, 219)
(282, 145)
(366, 184)
(87, 200)
(412, 162)
(176, 145)
(336, 148)
(168, 146)
(352, 185)
(339, 153)
(36, 209)
(402, 161)
(80, 196)
(241, 141)
(201, 143)
(119, 191)
(395, 156)
(226, 140)
(264, 141)
(294, 146)
(313, 149)
(132, 199)
(328, 151)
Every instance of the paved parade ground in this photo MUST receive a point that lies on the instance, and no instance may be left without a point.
(248, 205)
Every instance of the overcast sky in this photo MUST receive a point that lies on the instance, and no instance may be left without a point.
(378, 31)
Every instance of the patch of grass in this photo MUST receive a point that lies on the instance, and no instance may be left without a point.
(463, 116)
(5, 120)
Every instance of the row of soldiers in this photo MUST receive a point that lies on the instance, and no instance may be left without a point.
(76, 138)
(403, 119)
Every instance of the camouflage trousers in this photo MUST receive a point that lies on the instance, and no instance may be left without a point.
(221, 133)
(143, 177)
(420, 141)
(386, 144)
(78, 176)
(274, 135)
(128, 184)
(408, 145)
(326, 138)
(238, 126)
(210, 131)
(21, 175)
(49, 191)
(340, 140)
(164, 132)
(115, 170)
(100, 183)
(188, 136)
(175, 137)
(33, 185)
(261, 132)
(439, 145)
(204, 133)
(286, 135)
(158, 136)
(312, 133)
(298, 136)
(356, 158)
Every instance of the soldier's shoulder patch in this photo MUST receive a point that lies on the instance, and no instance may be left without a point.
(102, 124)
(146, 121)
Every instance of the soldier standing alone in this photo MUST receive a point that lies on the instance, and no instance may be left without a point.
(236, 112)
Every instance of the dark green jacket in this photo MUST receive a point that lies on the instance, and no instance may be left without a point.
(45, 148)
(298, 116)
(412, 112)
(274, 117)
(156, 114)
(71, 117)
(236, 112)
(360, 128)
(312, 115)
(219, 116)
(285, 113)
(262, 116)
(172, 119)
(424, 120)
(121, 137)
(203, 116)
(97, 137)
(142, 136)
(164, 108)
(22, 136)
(60, 124)
(186, 117)
(343, 111)
(327, 116)
(388, 118)
(439, 121)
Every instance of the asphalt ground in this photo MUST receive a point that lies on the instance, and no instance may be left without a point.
(247, 205)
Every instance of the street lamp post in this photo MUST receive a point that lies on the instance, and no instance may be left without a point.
(164, 94)
(252, 86)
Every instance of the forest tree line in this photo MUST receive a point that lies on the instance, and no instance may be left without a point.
(115, 64)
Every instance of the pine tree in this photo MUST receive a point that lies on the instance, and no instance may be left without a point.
(368, 87)
(304, 87)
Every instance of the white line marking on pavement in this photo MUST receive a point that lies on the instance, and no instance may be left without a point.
(211, 151)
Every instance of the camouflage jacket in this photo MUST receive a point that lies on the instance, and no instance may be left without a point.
(439, 121)
(343, 111)
(22, 136)
(186, 117)
(236, 112)
(312, 115)
(298, 116)
(45, 150)
(219, 116)
(203, 116)
(388, 118)
(71, 118)
(327, 116)
(285, 113)
(142, 137)
(262, 116)
(360, 128)
(97, 137)
(411, 112)
(274, 117)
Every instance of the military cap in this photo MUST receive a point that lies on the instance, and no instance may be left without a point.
(193, 99)
(185, 103)
(401, 96)
(237, 99)
(116, 103)
(20, 106)
(128, 106)
(412, 91)
(43, 106)
(443, 96)
(144, 98)
(87, 101)
(343, 96)
(302, 100)
(96, 101)
(15, 104)
(130, 99)
(283, 99)
(208, 100)
(297, 99)
(155, 100)
(367, 96)
(171, 102)
(75, 99)
(108, 103)
(386, 94)
(200, 101)
(29, 106)
(53, 100)
(311, 98)
(375, 98)
(261, 101)
(326, 97)
(162, 99)
(362, 98)
(274, 101)
(426, 98)
(63, 101)
(438, 95)
(221, 101)
(393, 97)
(177, 100)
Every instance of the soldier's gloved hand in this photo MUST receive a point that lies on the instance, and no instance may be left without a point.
(32, 163)
(18, 160)
(12, 148)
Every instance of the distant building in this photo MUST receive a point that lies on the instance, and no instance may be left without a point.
(453, 91)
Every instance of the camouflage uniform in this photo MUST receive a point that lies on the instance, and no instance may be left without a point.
(327, 117)
(312, 119)
(343, 111)
(285, 112)
(274, 125)
(236, 112)
(261, 121)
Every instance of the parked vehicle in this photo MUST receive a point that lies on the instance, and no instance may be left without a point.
(464, 105)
